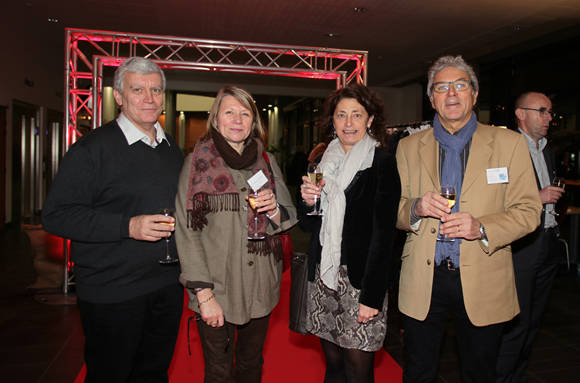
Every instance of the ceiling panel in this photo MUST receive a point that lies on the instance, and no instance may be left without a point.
(406, 34)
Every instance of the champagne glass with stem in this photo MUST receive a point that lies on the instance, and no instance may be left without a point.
(315, 175)
(168, 212)
(447, 192)
(252, 201)
(561, 183)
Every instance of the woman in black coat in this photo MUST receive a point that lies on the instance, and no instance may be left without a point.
(350, 251)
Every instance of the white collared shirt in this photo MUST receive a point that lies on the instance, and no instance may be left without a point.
(542, 172)
(134, 134)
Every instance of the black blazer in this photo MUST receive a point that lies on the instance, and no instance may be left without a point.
(526, 249)
(372, 201)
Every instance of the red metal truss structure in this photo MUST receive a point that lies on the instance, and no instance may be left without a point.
(89, 51)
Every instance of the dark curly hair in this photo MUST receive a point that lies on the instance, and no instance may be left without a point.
(372, 103)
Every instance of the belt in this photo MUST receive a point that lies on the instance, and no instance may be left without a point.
(448, 263)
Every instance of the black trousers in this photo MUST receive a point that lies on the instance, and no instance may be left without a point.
(134, 340)
(534, 288)
(244, 343)
(477, 345)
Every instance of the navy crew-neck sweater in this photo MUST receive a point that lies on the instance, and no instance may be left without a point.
(101, 184)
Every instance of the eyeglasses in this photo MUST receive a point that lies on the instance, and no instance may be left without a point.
(459, 86)
(543, 112)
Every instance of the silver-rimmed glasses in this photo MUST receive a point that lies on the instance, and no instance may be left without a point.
(458, 85)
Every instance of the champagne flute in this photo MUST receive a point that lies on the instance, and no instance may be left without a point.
(447, 192)
(315, 175)
(252, 195)
(168, 212)
(561, 183)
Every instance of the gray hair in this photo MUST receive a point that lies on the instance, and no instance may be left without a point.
(136, 65)
(450, 61)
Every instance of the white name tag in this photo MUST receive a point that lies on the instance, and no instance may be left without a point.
(257, 181)
(497, 176)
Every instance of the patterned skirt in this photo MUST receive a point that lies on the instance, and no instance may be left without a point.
(331, 315)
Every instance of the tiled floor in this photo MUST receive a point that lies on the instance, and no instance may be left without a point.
(38, 342)
(43, 343)
(556, 352)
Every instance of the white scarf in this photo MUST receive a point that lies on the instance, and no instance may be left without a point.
(338, 170)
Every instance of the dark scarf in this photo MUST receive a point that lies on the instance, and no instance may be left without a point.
(451, 174)
(212, 187)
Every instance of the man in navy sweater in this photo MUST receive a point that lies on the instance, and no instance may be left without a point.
(106, 197)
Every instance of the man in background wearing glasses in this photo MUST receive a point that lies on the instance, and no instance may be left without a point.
(495, 204)
(536, 256)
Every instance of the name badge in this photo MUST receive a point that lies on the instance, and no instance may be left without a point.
(497, 176)
(257, 180)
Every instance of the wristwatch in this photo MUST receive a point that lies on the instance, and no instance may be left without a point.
(482, 231)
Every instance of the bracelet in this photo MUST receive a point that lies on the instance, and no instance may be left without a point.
(275, 214)
(207, 300)
(198, 289)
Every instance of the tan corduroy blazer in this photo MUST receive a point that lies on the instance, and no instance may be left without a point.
(507, 211)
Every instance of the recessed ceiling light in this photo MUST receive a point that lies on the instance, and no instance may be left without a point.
(515, 28)
(331, 34)
(360, 9)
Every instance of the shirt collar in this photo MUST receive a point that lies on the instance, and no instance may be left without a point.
(134, 134)
(532, 144)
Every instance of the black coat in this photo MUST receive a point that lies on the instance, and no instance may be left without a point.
(526, 249)
(372, 201)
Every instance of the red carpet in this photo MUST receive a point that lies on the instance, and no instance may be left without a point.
(289, 357)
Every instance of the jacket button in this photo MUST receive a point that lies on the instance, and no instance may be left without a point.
(243, 189)
(251, 263)
(428, 262)
(245, 207)
(433, 231)
(246, 226)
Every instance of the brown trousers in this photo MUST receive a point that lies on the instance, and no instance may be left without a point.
(242, 343)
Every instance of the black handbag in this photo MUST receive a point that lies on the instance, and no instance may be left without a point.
(298, 293)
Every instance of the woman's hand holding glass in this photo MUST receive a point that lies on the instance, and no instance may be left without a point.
(266, 203)
(310, 192)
